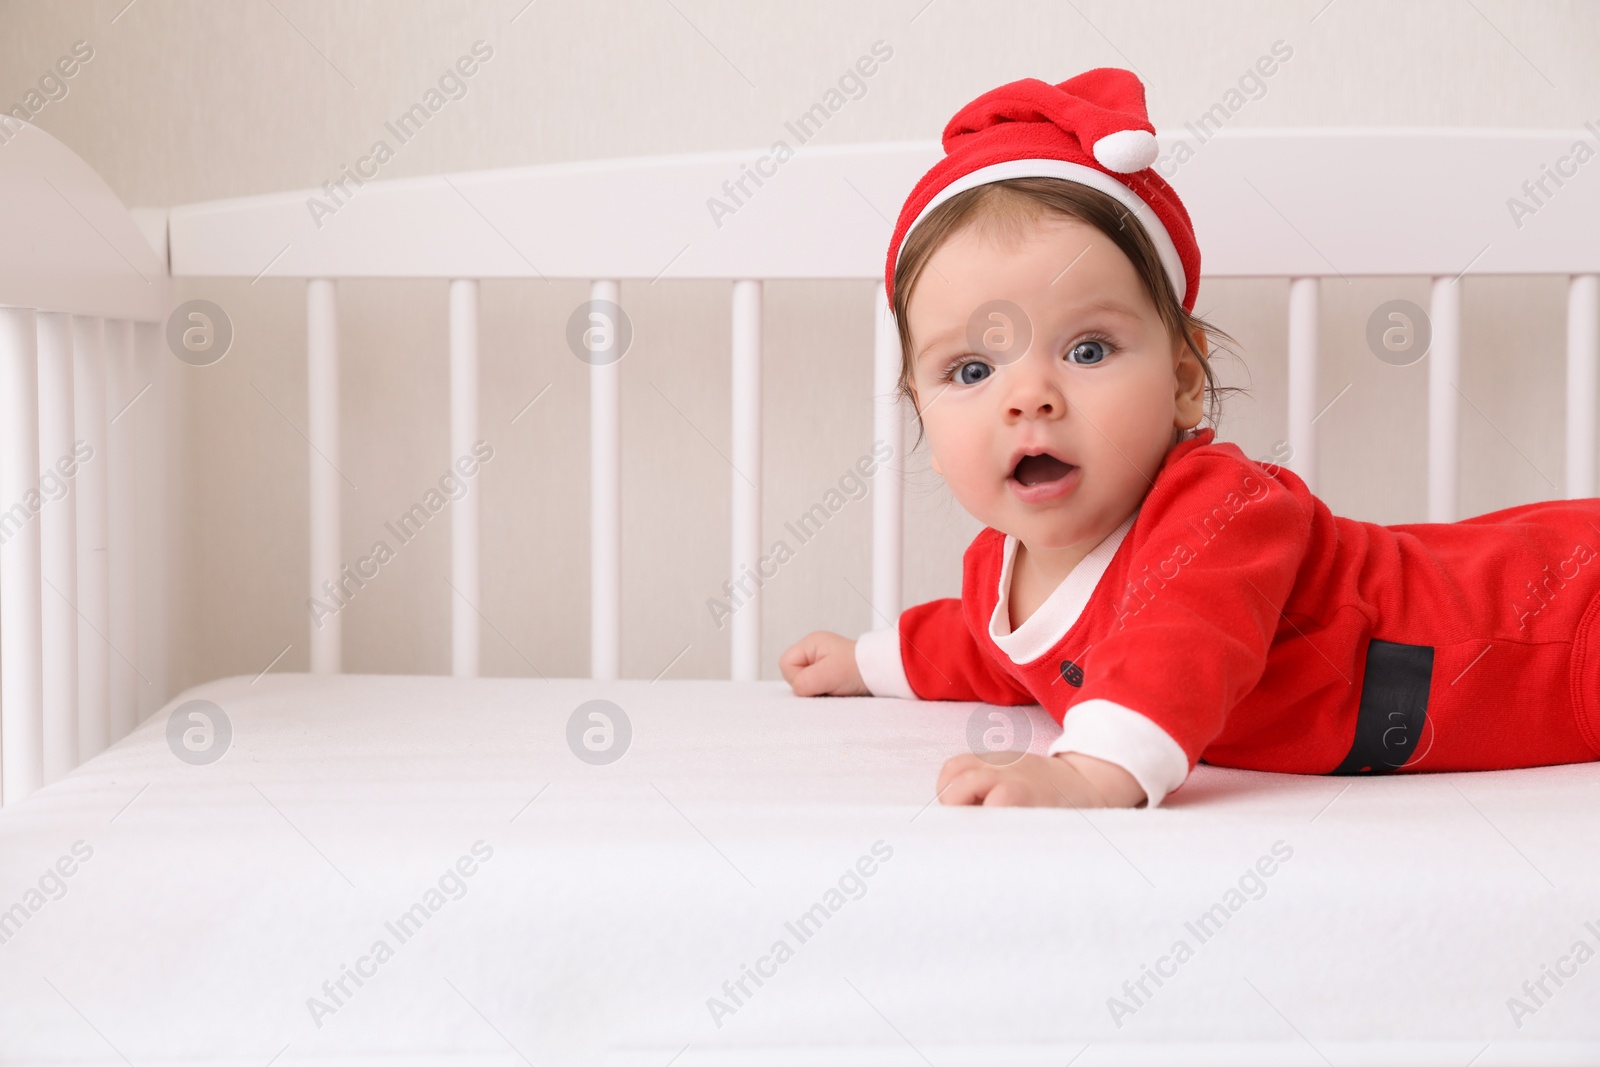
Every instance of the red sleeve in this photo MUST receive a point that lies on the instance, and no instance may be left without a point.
(943, 661)
(1213, 560)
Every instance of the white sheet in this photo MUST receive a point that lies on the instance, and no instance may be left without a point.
(218, 898)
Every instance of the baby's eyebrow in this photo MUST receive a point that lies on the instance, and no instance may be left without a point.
(1116, 307)
(936, 342)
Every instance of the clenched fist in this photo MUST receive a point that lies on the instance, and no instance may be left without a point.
(823, 664)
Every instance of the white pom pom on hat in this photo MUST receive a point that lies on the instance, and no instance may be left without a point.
(1126, 151)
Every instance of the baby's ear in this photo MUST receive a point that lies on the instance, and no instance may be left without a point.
(1191, 382)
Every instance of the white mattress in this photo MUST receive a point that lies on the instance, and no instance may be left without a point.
(218, 898)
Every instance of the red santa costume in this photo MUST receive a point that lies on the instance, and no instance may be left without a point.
(1232, 618)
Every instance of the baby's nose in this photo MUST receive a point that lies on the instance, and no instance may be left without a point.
(1035, 396)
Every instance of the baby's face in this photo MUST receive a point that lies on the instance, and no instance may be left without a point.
(1046, 346)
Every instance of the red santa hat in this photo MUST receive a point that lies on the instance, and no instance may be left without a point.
(1091, 129)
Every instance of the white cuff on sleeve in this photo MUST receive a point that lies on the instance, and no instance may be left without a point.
(878, 660)
(1106, 730)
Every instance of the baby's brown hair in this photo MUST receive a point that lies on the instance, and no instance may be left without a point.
(1007, 206)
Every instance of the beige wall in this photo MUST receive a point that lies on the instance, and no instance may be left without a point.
(187, 100)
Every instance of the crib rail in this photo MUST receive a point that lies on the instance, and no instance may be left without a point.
(1302, 205)
(81, 291)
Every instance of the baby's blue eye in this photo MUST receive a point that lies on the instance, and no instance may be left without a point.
(1094, 352)
(973, 372)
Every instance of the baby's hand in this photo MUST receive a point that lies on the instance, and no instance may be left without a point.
(1066, 780)
(823, 664)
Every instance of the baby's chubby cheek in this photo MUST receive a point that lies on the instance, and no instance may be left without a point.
(966, 467)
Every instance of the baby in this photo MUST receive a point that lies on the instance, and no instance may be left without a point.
(1168, 600)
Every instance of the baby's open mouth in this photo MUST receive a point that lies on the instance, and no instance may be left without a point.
(1036, 470)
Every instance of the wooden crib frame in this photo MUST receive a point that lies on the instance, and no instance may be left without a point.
(84, 299)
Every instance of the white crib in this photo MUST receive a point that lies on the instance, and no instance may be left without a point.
(83, 309)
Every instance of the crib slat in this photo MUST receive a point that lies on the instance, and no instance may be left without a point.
(888, 503)
(1304, 311)
(121, 388)
(1583, 370)
(21, 652)
(94, 534)
(58, 534)
(322, 366)
(152, 462)
(605, 506)
(465, 631)
(1444, 406)
(746, 391)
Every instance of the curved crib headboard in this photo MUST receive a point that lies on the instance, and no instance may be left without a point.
(81, 290)
(1302, 205)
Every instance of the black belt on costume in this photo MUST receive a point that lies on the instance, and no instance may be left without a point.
(1394, 707)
